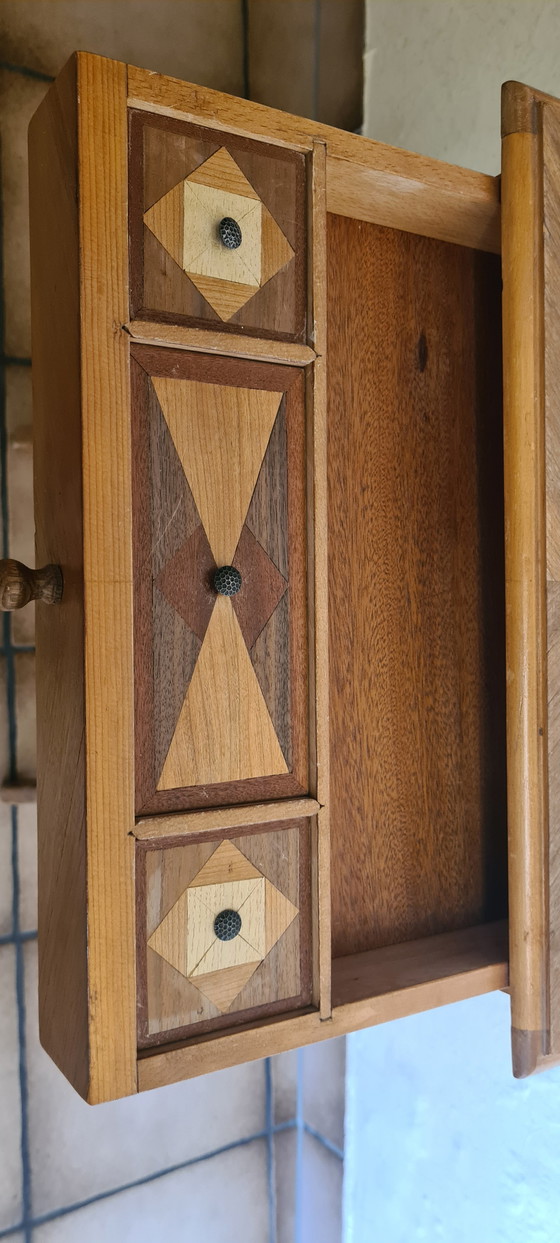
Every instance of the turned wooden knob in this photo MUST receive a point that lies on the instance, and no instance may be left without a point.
(19, 585)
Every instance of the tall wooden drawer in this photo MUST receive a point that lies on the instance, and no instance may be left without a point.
(184, 181)
(224, 926)
(218, 480)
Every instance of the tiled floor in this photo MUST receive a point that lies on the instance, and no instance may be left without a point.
(254, 1153)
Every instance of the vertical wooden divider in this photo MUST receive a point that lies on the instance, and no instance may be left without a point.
(319, 629)
(106, 481)
(524, 470)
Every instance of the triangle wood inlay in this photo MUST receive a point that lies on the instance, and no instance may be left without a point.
(262, 588)
(225, 863)
(222, 987)
(222, 173)
(269, 660)
(280, 913)
(166, 221)
(221, 434)
(224, 732)
(186, 582)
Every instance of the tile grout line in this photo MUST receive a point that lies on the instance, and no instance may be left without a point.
(20, 998)
(246, 62)
(299, 1150)
(322, 1139)
(269, 1107)
(66, 1209)
(12, 743)
(316, 57)
(25, 72)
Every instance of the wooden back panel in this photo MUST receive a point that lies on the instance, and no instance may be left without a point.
(415, 587)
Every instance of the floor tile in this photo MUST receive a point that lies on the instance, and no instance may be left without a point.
(19, 98)
(319, 1193)
(10, 1116)
(285, 1158)
(185, 38)
(323, 1079)
(24, 663)
(78, 1151)
(27, 866)
(223, 1200)
(6, 887)
(283, 1069)
(21, 522)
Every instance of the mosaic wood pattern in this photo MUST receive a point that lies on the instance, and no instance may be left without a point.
(183, 180)
(221, 683)
(188, 976)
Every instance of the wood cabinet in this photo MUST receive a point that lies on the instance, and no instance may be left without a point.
(302, 627)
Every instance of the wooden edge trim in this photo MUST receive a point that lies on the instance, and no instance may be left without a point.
(279, 1036)
(520, 108)
(318, 611)
(208, 342)
(382, 196)
(181, 824)
(365, 179)
(525, 556)
(106, 482)
(526, 1052)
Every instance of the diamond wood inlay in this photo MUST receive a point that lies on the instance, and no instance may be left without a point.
(186, 222)
(186, 937)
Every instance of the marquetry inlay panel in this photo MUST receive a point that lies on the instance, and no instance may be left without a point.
(188, 974)
(184, 180)
(220, 480)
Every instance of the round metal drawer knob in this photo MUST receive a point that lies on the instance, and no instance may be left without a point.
(227, 925)
(230, 233)
(227, 580)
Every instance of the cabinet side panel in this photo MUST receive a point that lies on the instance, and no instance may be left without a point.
(416, 610)
(58, 515)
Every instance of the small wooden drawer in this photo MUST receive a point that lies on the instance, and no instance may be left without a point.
(198, 970)
(184, 181)
(219, 479)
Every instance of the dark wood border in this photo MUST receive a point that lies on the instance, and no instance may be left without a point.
(155, 360)
(303, 1000)
(138, 119)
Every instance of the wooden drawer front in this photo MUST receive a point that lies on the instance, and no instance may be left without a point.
(188, 977)
(184, 180)
(219, 479)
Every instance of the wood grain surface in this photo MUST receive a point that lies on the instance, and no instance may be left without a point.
(230, 395)
(172, 898)
(416, 606)
(366, 180)
(524, 463)
(55, 310)
(412, 978)
(106, 482)
(551, 240)
(163, 152)
(213, 341)
(84, 645)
